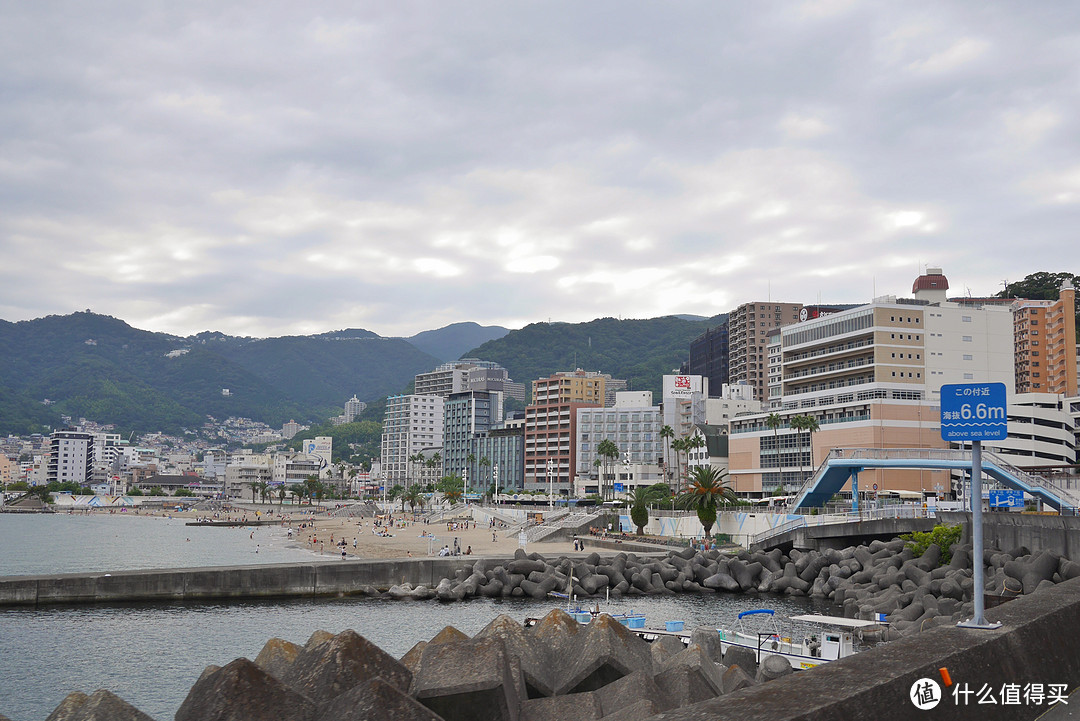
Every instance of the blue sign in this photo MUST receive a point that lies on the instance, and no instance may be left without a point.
(1007, 498)
(618, 488)
(973, 412)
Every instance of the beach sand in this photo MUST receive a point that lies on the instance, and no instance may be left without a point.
(407, 538)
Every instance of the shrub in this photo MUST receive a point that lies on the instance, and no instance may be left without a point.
(944, 536)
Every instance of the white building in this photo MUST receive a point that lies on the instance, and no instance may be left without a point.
(735, 399)
(1042, 432)
(71, 457)
(245, 469)
(412, 423)
(633, 425)
(353, 407)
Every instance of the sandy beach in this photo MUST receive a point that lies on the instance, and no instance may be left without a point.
(407, 538)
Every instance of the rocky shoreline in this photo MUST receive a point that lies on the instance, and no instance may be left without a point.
(880, 578)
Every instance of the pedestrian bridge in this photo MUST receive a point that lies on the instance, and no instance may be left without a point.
(844, 464)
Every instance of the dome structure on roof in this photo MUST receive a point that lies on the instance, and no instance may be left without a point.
(931, 280)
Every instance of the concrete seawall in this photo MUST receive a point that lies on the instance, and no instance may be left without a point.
(317, 578)
(1060, 534)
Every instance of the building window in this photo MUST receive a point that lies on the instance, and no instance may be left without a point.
(966, 339)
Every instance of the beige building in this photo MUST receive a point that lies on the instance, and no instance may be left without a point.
(1045, 337)
(551, 445)
(748, 328)
(871, 377)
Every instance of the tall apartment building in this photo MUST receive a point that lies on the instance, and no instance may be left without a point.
(468, 374)
(748, 327)
(551, 427)
(504, 449)
(871, 376)
(1045, 336)
(411, 423)
(353, 407)
(464, 415)
(709, 356)
(71, 457)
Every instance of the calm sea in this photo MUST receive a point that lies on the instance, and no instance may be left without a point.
(151, 654)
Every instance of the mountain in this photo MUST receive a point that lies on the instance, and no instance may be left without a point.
(99, 367)
(641, 351)
(450, 342)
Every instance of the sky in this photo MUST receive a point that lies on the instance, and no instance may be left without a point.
(271, 168)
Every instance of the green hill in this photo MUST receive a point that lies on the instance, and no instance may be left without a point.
(99, 367)
(641, 351)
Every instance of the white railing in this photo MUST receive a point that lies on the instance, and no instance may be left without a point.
(906, 510)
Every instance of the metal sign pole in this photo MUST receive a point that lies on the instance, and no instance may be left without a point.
(978, 591)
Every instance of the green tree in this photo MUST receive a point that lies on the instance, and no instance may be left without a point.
(414, 497)
(451, 487)
(706, 489)
(299, 491)
(156, 491)
(394, 492)
(184, 492)
(639, 500)
(667, 433)
(485, 464)
(281, 495)
(1041, 286)
(609, 452)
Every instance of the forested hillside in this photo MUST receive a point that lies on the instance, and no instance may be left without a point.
(641, 351)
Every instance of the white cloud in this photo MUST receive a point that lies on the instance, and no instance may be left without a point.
(198, 167)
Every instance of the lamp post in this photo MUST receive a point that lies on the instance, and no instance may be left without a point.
(551, 485)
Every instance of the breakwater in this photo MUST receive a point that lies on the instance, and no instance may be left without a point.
(562, 670)
(306, 579)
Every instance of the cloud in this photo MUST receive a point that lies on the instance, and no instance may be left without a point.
(292, 168)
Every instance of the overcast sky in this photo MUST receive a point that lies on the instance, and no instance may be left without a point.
(270, 168)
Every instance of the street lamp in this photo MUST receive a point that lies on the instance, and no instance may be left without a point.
(551, 485)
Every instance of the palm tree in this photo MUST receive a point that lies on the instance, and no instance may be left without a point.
(394, 492)
(451, 488)
(667, 433)
(609, 452)
(298, 490)
(678, 445)
(414, 497)
(254, 489)
(264, 490)
(485, 462)
(281, 495)
(796, 424)
(774, 422)
(639, 500)
(707, 487)
(811, 427)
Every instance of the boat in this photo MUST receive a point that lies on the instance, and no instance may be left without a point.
(758, 631)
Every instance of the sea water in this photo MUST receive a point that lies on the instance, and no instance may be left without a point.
(151, 654)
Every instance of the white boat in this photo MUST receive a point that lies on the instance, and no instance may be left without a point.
(758, 631)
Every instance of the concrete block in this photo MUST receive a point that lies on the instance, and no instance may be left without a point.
(71, 703)
(690, 677)
(277, 657)
(575, 707)
(240, 691)
(773, 667)
(735, 678)
(742, 657)
(411, 659)
(471, 679)
(709, 640)
(629, 690)
(101, 706)
(375, 699)
(537, 665)
(346, 660)
(665, 648)
(604, 652)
